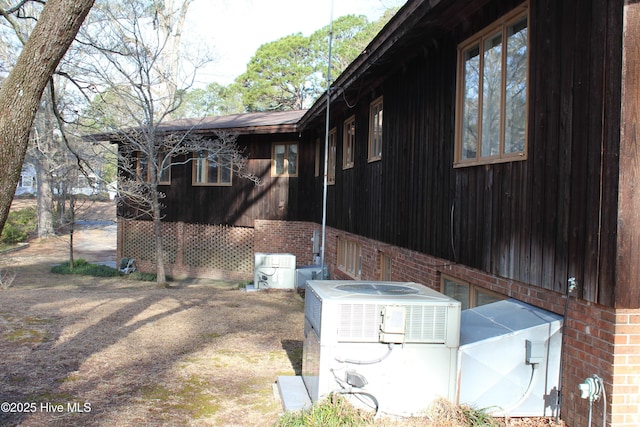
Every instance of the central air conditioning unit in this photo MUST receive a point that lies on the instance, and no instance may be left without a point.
(274, 271)
(391, 345)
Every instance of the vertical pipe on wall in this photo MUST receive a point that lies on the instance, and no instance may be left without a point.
(326, 145)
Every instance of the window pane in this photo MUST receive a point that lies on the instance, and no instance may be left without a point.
(342, 253)
(377, 132)
(213, 169)
(331, 161)
(278, 155)
(470, 103)
(516, 88)
(201, 172)
(375, 129)
(483, 298)
(349, 142)
(143, 167)
(386, 267)
(292, 159)
(165, 173)
(491, 95)
(225, 175)
(457, 291)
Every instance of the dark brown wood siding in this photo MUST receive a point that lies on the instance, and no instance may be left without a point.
(243, 202)
(538, 221)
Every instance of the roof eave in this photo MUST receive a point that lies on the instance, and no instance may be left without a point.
(401, 23)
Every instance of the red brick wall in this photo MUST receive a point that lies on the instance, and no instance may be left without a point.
(291, 237)
(625, 399)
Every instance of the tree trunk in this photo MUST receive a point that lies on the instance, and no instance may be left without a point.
(161, 277)
(43, 151)
(20, 93)
(72, 224)
(45, 201)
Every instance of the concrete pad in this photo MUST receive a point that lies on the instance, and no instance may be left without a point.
(293, 393)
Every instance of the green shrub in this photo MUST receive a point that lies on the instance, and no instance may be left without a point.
(84, 268)
(12, 234)
(19, 225)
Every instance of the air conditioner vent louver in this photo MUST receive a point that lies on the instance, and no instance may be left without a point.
(426, 324)
(361, 323)
(313, 310)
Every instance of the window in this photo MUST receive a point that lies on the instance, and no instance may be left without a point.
(385, 267)
(375, 130)
(348, 142)
(26, 181)
(285, 159)
(165, 173)
(142, 168)
(210, 169)
(350, 257)
(331, 172)
(491, 119)
(469, 295)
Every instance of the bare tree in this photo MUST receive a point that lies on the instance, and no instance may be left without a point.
(21, 92)
(136, 71)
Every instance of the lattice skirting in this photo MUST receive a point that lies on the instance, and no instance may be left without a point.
(190, 250)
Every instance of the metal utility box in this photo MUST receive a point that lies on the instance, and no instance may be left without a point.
(308, 272)
(274, 271)
(509, 359)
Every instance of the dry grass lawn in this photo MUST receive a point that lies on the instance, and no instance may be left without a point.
(202, 354)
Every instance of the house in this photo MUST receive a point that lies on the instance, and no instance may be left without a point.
(79, 183)
(27, 182)
(209, 213)
(505, 165)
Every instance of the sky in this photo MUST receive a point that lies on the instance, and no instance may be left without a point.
(234, 29)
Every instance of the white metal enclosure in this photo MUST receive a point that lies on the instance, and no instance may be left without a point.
(509, 358)
(389, 345)
(274, 271)
(307, 272)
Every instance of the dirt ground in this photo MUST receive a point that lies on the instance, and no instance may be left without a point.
(115, 352)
